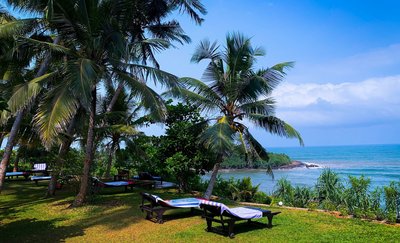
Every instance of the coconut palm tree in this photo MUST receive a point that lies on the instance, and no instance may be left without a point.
(238, 93)
(22, 68)
(98, 48)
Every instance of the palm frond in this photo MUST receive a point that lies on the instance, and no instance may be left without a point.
(43, 45)
(54, 111)
(82, 74)
(219, 138)
(275, 126)
(149, 99)
(264, 107)
(155, 74)
(25, 93)
(190, 7)
(205, 50)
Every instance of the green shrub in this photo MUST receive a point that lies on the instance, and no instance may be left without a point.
(329, 205)
(242, 190)
(343, 210)
(262, 197)
(329, 187)
(391, 217)
(312, 205)
(356, 197)
(301, 196)
(284, 190)
(391, 195)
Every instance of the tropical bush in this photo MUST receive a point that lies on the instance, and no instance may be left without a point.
(237, 160)
(262, 197)
(355, 198)
(329, 187)
(284, 190)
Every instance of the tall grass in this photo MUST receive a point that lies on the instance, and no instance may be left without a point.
(355, 198)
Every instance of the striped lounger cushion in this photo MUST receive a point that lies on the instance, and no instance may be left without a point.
(240, 212)
(180, 203)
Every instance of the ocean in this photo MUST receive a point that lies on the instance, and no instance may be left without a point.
(381, 163)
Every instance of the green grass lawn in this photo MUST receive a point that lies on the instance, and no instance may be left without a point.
(114, 216)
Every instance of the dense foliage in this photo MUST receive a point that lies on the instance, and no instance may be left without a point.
(176, 155)
(353, 198)
(237, 160)
(241, 190)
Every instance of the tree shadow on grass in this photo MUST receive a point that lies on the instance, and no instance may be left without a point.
(241, 227)
(38, 231)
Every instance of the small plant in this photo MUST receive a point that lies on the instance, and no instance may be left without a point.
(329, 187)
(328, 205)
(312, 205)
(284, 190)
(262, 197)
(356, 196)
(343, 210)
(243, 190)
(301, 196)
(391, 195)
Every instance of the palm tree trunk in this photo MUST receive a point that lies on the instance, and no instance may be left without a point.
(2, 135)
(213, 177)
(17, 122)
(115, 97)
(64, 147)
(9, 147)
(16, 162)
(110, 159)
(83, 191)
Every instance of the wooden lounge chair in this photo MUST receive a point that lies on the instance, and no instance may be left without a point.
(39, 167)
(149, 177)
(220, 213)
(17, 174)
(36, 179)
(152, 204)
(101, 184)
(122, 175)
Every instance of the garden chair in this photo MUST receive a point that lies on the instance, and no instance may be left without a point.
(17, 174)
(220, 213)
(36, 179)
(158, 206)
(148, 176)
(97, 184)
(122, 175)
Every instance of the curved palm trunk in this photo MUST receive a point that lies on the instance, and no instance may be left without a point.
(9, 147)
(213, 177)
(64, 147)
(16, 162)
(110, 158)
(1, 138)
(83, 191)
(17, 122)
(115, 97)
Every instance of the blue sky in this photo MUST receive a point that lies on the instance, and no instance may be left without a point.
(345, 86)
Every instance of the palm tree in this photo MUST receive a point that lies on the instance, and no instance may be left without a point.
(16, 70)
(238, 93)
(99, 47)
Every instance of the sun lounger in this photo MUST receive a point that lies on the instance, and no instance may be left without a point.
(17, 174)
(220, 213)
(101, 184)
(40, 167)
(158, 206)
(149, 177)
(36, 179)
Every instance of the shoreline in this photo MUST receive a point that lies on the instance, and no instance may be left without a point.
(293, 165)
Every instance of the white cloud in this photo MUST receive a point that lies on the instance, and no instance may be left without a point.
(377, 62)
(368, 102)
